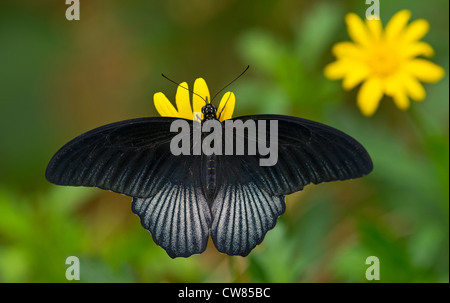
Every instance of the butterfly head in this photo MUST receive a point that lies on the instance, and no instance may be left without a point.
(209, 111)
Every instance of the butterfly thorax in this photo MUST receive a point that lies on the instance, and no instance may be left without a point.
(209, 112)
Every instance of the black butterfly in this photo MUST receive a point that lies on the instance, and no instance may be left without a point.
(183, 199)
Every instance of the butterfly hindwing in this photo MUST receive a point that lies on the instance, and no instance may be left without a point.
(243, 211)
(178, 216)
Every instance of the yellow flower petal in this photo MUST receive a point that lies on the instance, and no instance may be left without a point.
(183, 102)
(163, 106)
(375, 29)
(414, 88)
(416, 30)
(390, 84)
(357, 29)
(353, 78)
(369, 96)
(352, 71)
(226, 106)
(425, 70)
(415, 49)
(397, 24)
(201, 89)
(401, 99)
(346, 50)
(337, 70)
(394, 87)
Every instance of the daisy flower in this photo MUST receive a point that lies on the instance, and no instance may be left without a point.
(184, 109)
(384, 61)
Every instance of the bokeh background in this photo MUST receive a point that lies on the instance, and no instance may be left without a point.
(60, 78)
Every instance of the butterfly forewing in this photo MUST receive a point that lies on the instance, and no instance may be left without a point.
(308, 152)
(130, 157)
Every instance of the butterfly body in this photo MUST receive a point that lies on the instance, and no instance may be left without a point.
(210, 177)
(182, 199)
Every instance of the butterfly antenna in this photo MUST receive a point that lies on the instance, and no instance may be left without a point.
(248, 66)
(178, 84)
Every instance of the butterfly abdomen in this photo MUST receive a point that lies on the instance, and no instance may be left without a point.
(210, 177)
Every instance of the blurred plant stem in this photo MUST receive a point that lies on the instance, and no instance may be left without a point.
(235, 272)
(436, 147)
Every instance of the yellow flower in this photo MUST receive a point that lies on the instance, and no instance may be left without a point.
(166, 109)
(385, 61)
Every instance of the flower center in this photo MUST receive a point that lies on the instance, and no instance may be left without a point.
(383, 61)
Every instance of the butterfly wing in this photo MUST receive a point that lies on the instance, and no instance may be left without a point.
(251, 197)
(243, 211)
(133, 157)
(178, 216)
(129, 157)
(308, 152)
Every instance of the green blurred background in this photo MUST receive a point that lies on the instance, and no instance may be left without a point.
(60, 78)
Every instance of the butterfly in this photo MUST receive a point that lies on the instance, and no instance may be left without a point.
(183, 199)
